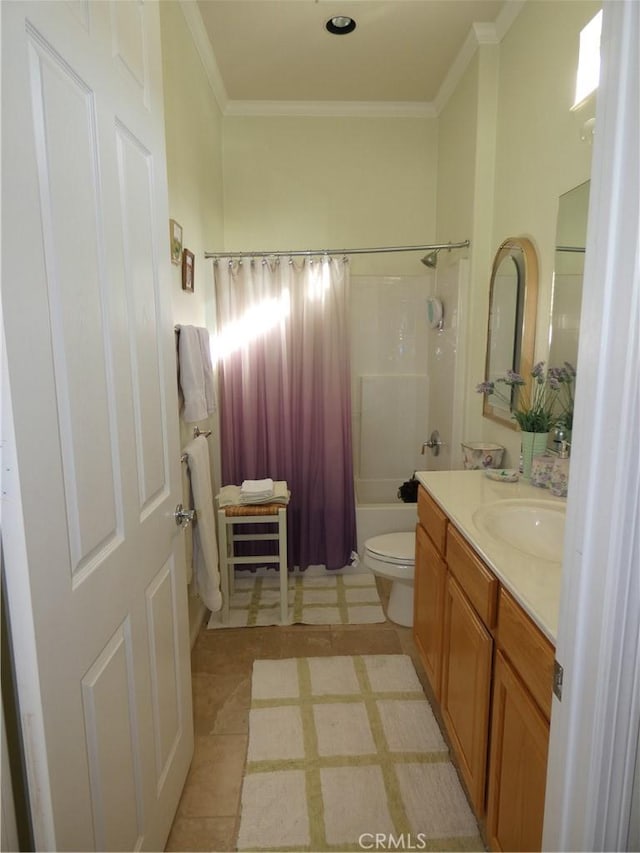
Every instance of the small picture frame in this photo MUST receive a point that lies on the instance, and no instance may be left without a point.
(175, 237)
(188, 268)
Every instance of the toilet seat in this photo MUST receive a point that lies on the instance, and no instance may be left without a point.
(392, 556)
(393, 548)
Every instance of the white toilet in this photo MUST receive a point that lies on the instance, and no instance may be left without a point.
(392, 556)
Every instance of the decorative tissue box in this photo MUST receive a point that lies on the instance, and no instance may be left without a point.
(479, 454)
(541, 468)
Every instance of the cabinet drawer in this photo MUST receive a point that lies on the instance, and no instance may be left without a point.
(480, 585)
(529, 651)
(432, 518)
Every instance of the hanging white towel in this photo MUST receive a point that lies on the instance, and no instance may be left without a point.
(205, 543)
(196, 376)
(209, 383)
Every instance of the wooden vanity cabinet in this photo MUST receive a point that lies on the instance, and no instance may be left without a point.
(491, 670)
(428, 600)
(522, 685)
(517, 765)
(467, 655)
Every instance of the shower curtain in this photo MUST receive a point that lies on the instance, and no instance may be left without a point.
(282, 351)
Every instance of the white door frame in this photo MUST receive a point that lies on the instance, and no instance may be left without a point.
(594, 729)
(14, 546)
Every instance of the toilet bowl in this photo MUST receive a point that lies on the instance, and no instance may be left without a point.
(392, 556)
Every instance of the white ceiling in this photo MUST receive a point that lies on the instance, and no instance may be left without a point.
(400, 52)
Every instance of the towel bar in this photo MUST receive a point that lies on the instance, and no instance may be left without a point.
(197, 431)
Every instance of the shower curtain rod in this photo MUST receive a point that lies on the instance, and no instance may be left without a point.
(310, 252)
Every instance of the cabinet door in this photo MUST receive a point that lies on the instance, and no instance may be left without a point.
(428, 601)
(466, 687)
(517, 765)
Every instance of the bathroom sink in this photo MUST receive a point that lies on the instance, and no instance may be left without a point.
(534, 527)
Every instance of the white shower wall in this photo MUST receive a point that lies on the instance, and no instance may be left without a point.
(446, 357)
(390, 384)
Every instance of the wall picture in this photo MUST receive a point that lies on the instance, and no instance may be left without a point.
(188, 264)
(175, 236)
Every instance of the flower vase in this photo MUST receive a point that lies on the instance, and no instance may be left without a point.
(533, 443)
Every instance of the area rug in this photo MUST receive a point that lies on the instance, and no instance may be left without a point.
(345, 754)
(348, 599)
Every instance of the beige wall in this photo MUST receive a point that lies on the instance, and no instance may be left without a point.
(492, 165)
(193, 127)
(300, 183)
(466, 145)
(533, 153)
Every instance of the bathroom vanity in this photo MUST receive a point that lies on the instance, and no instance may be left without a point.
(486, 599)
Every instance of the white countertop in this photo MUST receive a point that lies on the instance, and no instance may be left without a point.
(533, 582)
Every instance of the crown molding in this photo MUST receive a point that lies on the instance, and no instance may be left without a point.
(507, 16)
(485, 33)
(478, 34)
(348, 109)
(202, 43)
(457, 69)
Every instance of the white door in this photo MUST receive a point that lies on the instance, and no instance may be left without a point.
(91, 469)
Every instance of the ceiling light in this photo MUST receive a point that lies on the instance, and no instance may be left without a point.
(340, 25)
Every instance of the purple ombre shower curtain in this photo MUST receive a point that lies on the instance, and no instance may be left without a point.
(282, 350)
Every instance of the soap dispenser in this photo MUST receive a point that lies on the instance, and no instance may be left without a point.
(560, 472)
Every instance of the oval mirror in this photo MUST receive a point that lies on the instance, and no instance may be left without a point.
(513, 299)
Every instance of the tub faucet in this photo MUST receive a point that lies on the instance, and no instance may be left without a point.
(434, 443)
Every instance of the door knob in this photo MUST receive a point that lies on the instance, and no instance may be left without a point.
(184, 517)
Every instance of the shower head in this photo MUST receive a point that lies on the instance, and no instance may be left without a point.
(431, 260)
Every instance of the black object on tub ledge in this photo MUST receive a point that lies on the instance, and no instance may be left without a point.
(408, 491)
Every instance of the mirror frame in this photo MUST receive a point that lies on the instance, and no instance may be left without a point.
(523, 253)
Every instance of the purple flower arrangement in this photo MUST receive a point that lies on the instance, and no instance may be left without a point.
(547, 402)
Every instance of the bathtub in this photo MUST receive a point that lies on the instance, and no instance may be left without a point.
(378, 510)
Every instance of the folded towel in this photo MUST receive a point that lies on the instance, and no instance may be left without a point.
(251, 487)
(196, 374)
(205, 545)
(232, 496)
(252, 490)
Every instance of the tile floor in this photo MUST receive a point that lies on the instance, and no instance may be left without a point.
(221, 662)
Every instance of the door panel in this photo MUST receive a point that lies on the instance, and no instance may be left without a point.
(135, 169)
(128, 42)
(96, 579)
(428, 619)
(164, 650)
(466, 688)
(112, 746)
(65, 147)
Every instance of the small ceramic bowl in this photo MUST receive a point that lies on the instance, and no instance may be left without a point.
(479, 454)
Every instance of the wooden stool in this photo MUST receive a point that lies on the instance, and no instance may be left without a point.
(230, 516)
